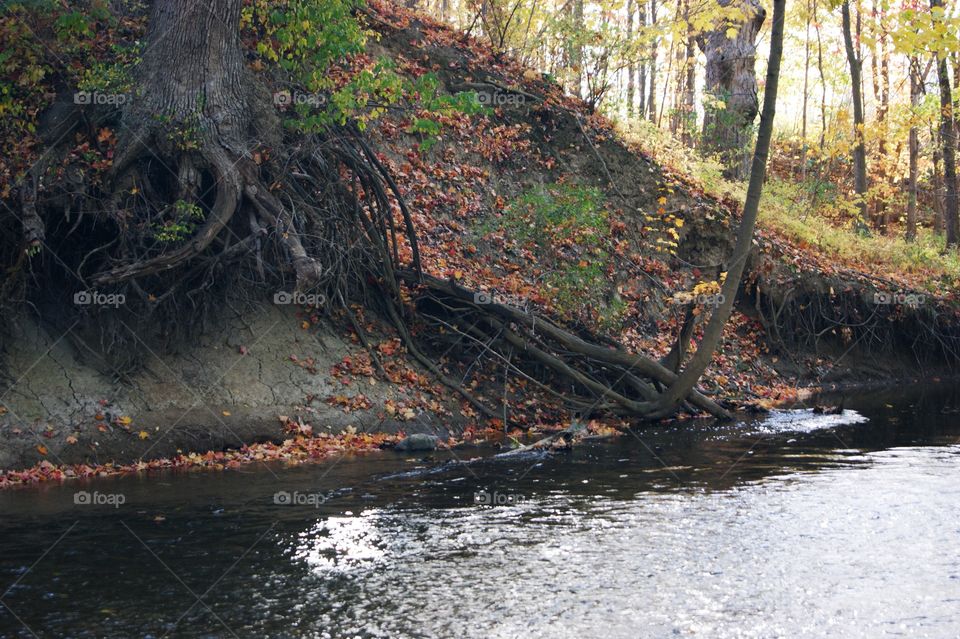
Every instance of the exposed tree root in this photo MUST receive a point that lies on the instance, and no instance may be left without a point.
(603, 379)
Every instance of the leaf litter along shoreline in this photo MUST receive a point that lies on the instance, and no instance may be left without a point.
(309, 448)
(297, 450)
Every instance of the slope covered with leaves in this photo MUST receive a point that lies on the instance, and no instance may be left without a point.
(543, 203)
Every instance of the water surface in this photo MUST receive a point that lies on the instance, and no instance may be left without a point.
(793, 525)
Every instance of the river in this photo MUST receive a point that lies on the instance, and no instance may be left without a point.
(788, 525)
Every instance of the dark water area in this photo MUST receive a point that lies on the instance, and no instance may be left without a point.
(788, 525)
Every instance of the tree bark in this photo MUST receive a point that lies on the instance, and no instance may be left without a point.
(652, 101)
(806, 85)
(823, 80)
(948, 139)
(880, 76)
(937, 183)
(194, 113)
(631, 111)
(576, 52)
(671, 399)
(731, 82)
(859, 150)
(640, 67)
(685, 97)
(688, 121)
(914, 152)
(193, 69)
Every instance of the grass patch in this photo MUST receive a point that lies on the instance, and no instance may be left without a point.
(786, 209)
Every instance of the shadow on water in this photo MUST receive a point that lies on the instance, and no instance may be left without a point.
(688, 529)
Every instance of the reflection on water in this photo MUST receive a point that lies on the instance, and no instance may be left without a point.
(796, 525)
(341, 544)
(804, 421)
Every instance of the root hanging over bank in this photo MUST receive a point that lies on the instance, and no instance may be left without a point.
(596, 379)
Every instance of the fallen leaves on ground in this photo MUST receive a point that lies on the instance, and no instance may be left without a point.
(295, 450)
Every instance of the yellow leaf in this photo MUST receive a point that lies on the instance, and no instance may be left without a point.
(126, 421)
(143, 434)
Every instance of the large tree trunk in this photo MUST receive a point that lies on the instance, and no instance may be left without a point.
(193, 71)
(195, 114)
(192, 113)
(684, 385)
(859, 149)
(731, 80)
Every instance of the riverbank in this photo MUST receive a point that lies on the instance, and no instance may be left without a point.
(301, 446)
